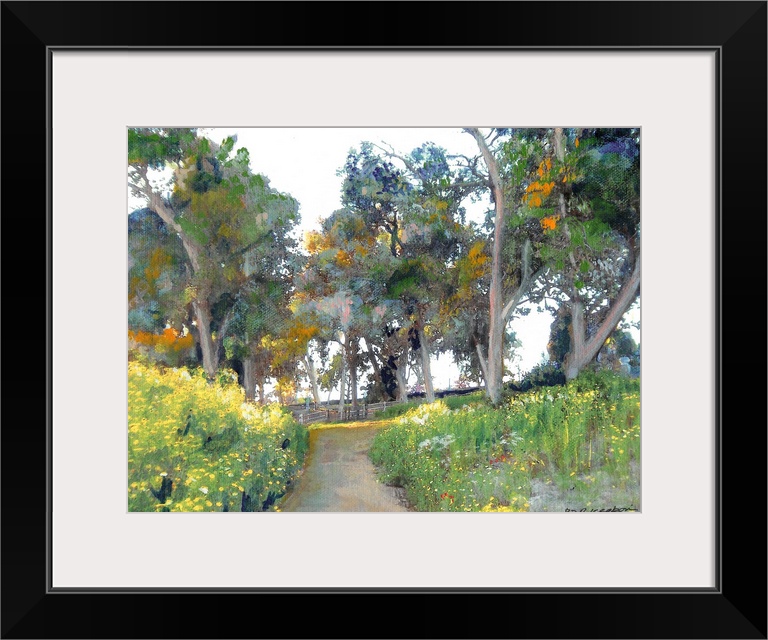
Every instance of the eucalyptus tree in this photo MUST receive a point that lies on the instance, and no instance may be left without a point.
(335, 290)
(234, 228)
(514, 263)
(464, 315)
(412, 203)
(565, 228)
(589, 187)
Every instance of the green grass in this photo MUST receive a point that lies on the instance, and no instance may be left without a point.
(397, 410)
(550, 449)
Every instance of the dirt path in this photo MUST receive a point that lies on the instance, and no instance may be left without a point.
(340, 477)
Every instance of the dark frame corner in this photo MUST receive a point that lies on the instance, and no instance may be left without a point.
(737, 30)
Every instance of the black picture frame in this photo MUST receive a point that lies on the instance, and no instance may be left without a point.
(736, 608)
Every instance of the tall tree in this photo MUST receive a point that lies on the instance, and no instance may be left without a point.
(505, 167)
(413, 203)
(225, 216)
(594, 233)
(341, 286)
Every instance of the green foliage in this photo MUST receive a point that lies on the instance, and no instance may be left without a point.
(398, 410)
(156, 147)
(156, 270)
(457, 402)
(218, 452)
(542, 375)
(477, 458)
(238, 254)
(408, 279)
(625, 344)
(329, 377)
(194, 231)
(559, 336)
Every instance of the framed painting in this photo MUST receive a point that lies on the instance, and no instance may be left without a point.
(683, 82)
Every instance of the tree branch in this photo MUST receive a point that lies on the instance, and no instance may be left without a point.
(525, 282)
(623, 301)
(490, 161)
(391, 153)
(483, 363)
(166, 214)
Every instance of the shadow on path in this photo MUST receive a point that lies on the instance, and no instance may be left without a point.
(339, 476)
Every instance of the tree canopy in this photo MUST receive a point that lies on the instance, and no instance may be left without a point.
(398, 273)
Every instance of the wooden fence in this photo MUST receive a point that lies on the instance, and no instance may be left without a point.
(332, 415)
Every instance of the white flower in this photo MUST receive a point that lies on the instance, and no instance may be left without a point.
(437, 442)
(446, 440)
(204, 490)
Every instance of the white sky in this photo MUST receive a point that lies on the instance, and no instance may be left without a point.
(304, 161)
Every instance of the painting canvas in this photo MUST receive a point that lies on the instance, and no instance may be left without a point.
(384, 320)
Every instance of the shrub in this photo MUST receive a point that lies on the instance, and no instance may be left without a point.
(196, 446)
(542, 375)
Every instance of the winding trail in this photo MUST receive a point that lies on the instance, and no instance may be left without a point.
(339, 476)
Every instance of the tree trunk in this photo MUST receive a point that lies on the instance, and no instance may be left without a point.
(576, 358)
(495, 365)
(583, 351)
(352, 354)
(426, 371)
(168, 216)
(203, 319)
(483, 363)
(402, 381)
(310, 365)
(262, 397)
(526, 279)
(426, 368)
(342, 382)
(249, 379)
(377, 368)
(201, 308)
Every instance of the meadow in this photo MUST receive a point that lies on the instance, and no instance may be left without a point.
(195, 445)
(568, 448)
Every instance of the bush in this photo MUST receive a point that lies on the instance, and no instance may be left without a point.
(542, 375)
(196, 446)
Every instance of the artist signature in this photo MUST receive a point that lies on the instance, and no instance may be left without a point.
(611, 510)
